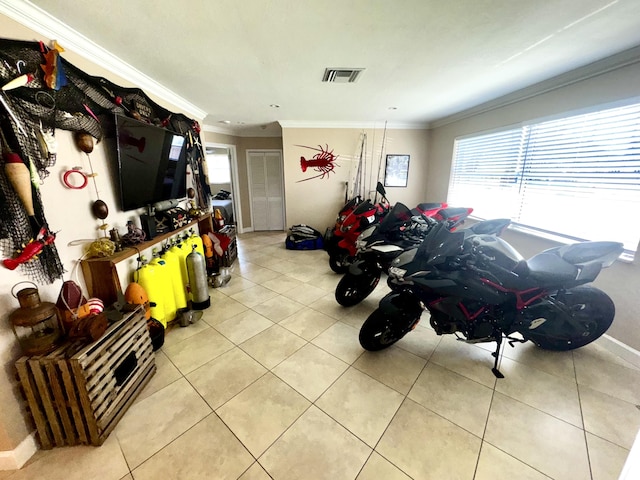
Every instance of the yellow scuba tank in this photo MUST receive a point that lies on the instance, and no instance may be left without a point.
(148, 279)
(172, 260)
(182, 250)
(196, 240)
(180, 254)
(166, 285)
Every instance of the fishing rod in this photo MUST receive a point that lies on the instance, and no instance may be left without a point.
(384, 139)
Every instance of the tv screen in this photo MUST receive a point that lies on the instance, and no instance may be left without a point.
(151, 163)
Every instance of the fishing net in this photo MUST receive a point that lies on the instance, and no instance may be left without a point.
(86, 103)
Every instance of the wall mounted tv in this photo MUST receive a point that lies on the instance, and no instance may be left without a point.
(151, 163)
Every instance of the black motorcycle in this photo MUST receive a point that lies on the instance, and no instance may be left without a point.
(402, 229)
(481, 289)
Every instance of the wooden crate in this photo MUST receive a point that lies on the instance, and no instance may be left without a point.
(78, 393)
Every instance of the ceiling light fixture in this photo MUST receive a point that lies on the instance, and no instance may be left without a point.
(393, 108)
(274, 105)
(226, 122)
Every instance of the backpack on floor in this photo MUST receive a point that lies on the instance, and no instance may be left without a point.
(303, 237)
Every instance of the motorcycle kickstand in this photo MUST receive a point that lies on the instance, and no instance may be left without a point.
(496, 355)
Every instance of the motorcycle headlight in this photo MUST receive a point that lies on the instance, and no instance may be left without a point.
(397, 273)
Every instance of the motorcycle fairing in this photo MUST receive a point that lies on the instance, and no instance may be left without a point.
(397, 216)
(440, 243)
(461, 284)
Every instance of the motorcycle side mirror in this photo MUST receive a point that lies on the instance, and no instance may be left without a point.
(381, 190)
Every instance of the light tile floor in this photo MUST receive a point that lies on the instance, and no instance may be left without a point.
(272, 383)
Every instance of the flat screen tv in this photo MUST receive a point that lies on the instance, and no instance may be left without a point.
(151, 163)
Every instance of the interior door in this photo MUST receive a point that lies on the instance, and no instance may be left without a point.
(266, 188)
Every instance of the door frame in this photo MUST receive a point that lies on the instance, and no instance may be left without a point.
(267, 150)
(235, 183)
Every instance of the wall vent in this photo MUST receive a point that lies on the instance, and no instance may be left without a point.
(341, 75)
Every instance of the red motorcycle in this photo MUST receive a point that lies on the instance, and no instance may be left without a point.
(341, 245)
(332, 235)
(342, 253)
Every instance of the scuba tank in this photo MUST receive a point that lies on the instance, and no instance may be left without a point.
(148, 279)
(172, 259)
(181, 251)
(166, 286)
(197, 272)
(195, 239)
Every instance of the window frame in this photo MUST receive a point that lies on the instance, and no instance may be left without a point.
(529, 125)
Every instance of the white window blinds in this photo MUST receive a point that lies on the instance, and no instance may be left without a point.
(578, 177)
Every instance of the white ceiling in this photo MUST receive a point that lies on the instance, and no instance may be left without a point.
(423, 59)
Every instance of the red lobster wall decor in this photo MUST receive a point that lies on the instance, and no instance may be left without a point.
(322, 162)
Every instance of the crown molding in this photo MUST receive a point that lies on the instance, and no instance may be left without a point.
(245, 131)
(357, 125)
(40, 21)
(591, 70)
(217, 129)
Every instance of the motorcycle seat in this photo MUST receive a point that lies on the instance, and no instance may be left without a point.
(547, 268)
(450, 212)
(429, 206)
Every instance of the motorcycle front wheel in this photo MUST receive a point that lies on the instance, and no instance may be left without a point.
(339, 260)
(592, 313)
(382, 330)
(352, 289)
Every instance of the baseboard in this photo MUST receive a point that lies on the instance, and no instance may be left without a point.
(16, 458)
(620, 349)
(631, 469)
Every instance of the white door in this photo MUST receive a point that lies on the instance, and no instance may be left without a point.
(266, 188)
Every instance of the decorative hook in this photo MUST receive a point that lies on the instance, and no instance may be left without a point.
(19, 65)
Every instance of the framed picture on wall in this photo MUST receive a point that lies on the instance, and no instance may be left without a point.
(396, 172)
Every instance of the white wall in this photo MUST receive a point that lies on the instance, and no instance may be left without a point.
(68, 212)
(622, 280)
(317, 201)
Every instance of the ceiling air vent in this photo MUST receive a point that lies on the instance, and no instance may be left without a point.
(341, 75)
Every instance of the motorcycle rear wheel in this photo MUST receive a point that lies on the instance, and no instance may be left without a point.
(592, 312)
(382, 330)
(352, 289)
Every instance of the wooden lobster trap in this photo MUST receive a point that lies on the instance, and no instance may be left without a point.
(78, 393)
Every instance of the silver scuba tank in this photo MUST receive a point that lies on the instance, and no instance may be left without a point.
(197, 273)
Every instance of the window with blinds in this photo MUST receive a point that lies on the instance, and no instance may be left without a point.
(577, 177)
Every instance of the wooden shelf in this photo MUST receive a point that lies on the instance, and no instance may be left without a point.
(101, 275)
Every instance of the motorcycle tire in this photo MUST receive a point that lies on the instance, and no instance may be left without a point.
(352, 289)
(338, 261)
(382, 330)
(592, 310)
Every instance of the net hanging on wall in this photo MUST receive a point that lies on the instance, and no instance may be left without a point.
(86, 103)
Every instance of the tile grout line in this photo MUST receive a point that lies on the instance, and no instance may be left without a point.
(584, 428)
